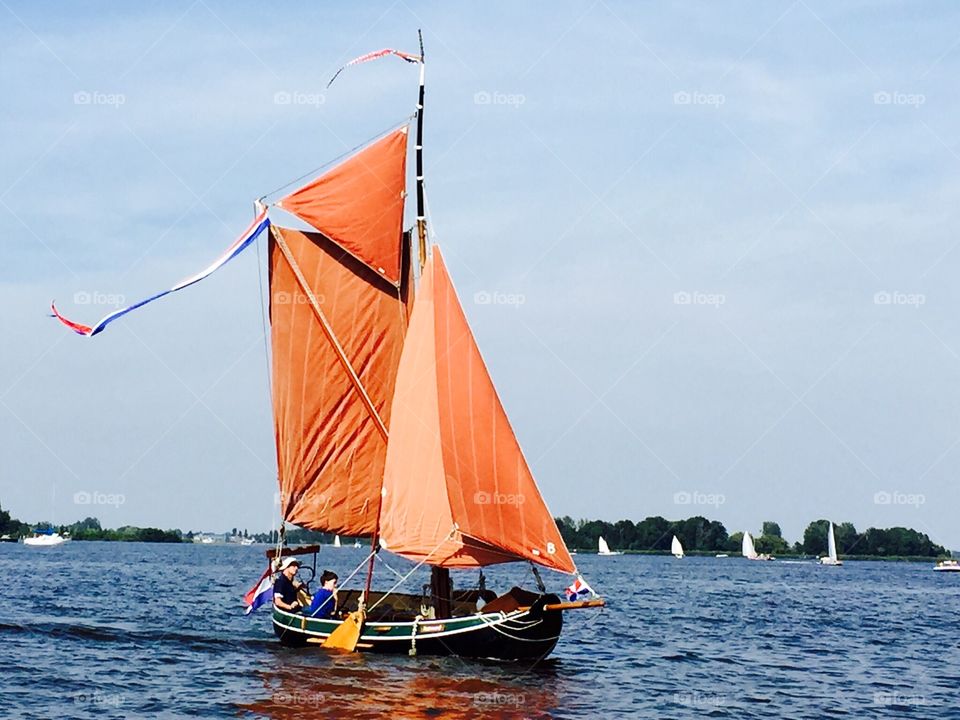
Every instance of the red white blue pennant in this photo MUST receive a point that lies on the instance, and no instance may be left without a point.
(376, 55)
(252, 232)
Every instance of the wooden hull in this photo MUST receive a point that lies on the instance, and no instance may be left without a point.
(520, 634)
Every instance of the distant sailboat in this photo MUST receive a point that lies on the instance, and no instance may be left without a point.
(42, 539)
(604, 549)
(336, 541)
(356, 543)
(831, 558)
(748, 550)
(676, 548)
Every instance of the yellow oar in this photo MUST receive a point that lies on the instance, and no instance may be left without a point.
(347, 635)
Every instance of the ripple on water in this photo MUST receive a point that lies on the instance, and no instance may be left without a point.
(703, 637)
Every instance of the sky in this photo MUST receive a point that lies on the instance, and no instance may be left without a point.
(707, 249)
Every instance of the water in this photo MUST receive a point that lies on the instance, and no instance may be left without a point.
(126, 630)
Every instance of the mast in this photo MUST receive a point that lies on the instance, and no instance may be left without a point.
(422, 257)
(421, 211)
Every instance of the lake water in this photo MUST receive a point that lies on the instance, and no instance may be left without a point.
(127, 629)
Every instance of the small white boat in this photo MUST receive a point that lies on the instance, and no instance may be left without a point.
(947, 566)
(45, 540)
(247, 541)
(831, 559)
(676, 548)
(336, 541)
(604, 549)
(748, 550)
(356, 543)
(721, 555)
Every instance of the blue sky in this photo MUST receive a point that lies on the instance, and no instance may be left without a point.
(720, 239)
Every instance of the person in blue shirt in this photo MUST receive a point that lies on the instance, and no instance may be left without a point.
(325, 598)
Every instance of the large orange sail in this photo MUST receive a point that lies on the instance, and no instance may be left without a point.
(330, 450)
(359, 204)
(457, 491)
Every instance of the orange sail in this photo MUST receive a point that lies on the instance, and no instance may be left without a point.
(457, 491)
(337, 331)
(359, 204)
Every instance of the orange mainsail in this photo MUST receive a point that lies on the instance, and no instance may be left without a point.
(359, 204)
(330, 450)
(457, 491)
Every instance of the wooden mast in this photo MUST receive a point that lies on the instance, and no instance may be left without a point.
(421, 211)
(422, 256)
(441, 587)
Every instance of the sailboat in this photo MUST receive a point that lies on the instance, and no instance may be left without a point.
(831, 558)
(387, 424)
(676, 548)
(383, 373)
(748, 550)
(604, 549)
(45, 538)
(336, 541)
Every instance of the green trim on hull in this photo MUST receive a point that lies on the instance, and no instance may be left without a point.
(520, 634)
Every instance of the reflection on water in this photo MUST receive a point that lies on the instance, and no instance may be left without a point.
(311, 683)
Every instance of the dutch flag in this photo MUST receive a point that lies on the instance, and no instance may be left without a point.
(259, 594)
(579, 589)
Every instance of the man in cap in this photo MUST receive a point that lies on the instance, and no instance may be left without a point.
(285, 587)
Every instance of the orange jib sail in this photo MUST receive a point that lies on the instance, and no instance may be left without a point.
(457, 491)
(330, 451)
(359, 204)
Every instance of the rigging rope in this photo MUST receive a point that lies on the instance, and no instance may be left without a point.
(412, 571)
(339, 157)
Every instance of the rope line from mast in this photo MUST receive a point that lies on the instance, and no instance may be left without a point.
(340, 157)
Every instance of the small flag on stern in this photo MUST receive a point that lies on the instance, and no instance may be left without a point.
(259, 594)
(579, 589)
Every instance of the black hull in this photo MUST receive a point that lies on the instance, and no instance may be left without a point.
(524, 634)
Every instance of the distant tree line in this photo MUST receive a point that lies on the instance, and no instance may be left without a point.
(699, 534)
(88, 529)
(13, 528)
(652, 534)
